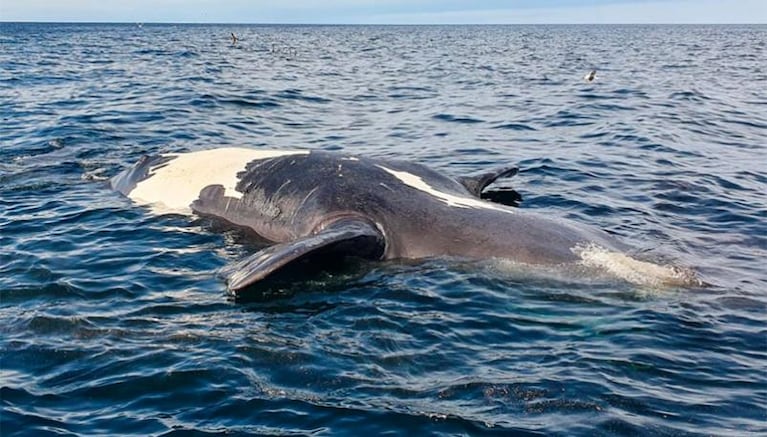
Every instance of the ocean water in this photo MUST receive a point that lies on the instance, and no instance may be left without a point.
(113, 321)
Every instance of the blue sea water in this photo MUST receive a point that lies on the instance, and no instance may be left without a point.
(113, 321)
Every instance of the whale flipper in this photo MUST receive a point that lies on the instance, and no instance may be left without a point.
(346, 237)
(475, 184)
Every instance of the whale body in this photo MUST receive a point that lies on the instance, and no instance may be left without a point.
(324, 205)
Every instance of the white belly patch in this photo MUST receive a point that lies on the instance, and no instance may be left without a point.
(173, 187)
(418, 183)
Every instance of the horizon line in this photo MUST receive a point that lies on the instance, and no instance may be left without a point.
(628, 23)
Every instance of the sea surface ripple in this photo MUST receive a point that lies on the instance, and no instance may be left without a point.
(113, 322)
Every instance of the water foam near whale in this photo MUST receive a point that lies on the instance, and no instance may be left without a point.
(636, 271)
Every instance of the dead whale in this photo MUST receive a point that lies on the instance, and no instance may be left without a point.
(320, 205)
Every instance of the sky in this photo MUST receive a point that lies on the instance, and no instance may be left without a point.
(388, 11)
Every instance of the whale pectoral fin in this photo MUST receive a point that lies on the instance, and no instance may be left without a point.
(349, 237)
(475, 184)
